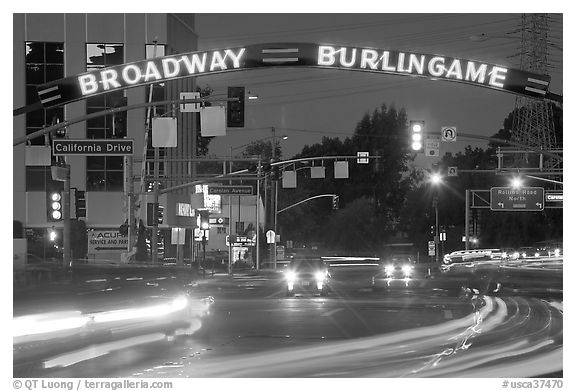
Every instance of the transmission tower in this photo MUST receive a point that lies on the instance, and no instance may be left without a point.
(533, 122)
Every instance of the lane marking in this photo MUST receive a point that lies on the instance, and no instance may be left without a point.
(332, 312)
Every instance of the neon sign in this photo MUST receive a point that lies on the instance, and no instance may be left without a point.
(384, 61)
(412, 64)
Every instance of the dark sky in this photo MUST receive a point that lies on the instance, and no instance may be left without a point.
(307, 104)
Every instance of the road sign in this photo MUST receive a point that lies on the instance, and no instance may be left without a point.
(93, 147)
(517, 199)
(192, 107)
(431, 248)
(106, 240)
(432, 144)
(554, 199)
(452, 171)
(448, 133)
(231, 190)
(270, 237)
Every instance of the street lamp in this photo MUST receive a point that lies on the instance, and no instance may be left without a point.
(436, 178)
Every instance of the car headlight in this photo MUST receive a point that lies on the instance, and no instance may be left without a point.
(291, 276)
(407, 270)
(516, 255)
(320, 276)
(536, 255)
(389, 269)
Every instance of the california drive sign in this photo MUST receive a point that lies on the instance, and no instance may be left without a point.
(384, 61)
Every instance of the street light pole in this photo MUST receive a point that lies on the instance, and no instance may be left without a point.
(436, 230)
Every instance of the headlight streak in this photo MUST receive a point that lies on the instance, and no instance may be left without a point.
(92, 352)
(396, 354)
(42, 327)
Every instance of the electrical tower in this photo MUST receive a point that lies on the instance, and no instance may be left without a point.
(533, 121)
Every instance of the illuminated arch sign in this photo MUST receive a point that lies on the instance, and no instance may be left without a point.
(385, 61)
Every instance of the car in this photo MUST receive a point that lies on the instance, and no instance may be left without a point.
(528, 252)
(509, 253)
(307, 275)
(396, 272)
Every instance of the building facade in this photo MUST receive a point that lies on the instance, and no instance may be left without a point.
(48, 47)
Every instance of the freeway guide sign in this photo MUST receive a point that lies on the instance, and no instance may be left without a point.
(517, 199)
(231, 190)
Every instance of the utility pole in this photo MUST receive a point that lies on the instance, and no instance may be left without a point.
(154, 240)
(67, 239)
(273, 199)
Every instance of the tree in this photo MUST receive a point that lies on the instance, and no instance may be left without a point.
(382, 185)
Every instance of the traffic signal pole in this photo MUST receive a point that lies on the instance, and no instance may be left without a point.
(67, 239)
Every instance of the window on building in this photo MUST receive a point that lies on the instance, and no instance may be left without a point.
(44, 63)
(105, 173)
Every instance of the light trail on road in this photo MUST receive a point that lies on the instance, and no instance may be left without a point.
(503, 337)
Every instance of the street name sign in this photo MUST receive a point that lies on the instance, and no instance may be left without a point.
(231, 190)
(93, 147)
(517, 199)
(554, 199)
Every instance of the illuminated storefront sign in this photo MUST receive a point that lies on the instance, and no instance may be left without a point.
(385, 61)
(212, 202)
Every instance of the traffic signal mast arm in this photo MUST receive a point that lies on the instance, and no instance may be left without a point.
(509, 142)
(114, 110)
(234, 175)
(306, 200)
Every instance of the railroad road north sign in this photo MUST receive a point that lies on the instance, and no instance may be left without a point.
(517, 199)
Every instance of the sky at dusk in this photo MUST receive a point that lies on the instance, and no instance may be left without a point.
(307, 104)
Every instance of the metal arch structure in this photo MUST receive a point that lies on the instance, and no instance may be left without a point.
(382, 61)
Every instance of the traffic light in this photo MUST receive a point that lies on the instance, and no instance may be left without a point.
(417, 129)
(52, 234)
(335, 200)
(159, 213)
(274, 170)
(204, 219)
(154, 211)
(54, 205)
(275, 173)
(235, 108)
(79, 203)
